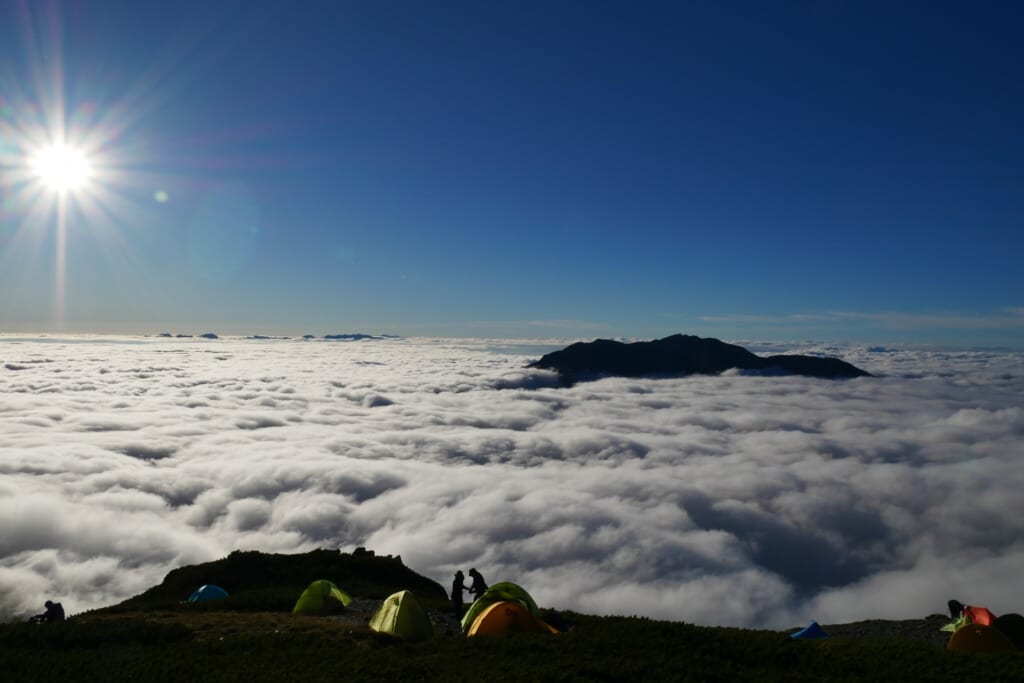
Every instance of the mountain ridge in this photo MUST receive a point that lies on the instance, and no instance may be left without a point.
(680, 355)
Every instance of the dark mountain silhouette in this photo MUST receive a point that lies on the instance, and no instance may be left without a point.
(359, 336)
(677, 356)
(282, 578)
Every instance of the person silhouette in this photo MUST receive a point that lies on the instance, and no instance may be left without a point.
(458, 587)
(478, 586)
(54, 613)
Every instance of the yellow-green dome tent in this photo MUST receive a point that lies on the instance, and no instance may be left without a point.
(321, 597)
(402, 616)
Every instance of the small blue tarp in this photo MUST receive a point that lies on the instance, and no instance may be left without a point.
(208, 592)
(812, 631)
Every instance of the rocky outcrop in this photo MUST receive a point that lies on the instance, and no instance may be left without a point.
(273, 581)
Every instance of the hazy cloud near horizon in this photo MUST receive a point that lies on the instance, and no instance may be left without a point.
(740, 499)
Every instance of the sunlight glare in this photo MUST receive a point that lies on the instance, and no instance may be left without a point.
(61, 168)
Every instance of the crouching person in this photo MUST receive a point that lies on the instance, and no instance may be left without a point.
(54, 613)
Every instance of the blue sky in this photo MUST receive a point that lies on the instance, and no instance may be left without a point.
(803, 170)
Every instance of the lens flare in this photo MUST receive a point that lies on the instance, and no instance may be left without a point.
(61, 168)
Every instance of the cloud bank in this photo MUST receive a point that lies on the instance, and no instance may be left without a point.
(735, 500)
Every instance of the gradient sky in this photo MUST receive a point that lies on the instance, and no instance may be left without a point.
(799, 170)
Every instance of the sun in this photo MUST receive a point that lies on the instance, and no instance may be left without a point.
(61, 168)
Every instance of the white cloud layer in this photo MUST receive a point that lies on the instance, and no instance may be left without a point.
(741, 499)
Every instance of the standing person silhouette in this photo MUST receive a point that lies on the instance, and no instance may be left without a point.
(458, 586)
(478, 586)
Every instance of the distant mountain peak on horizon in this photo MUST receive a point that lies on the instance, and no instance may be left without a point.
(680, 355)
(357, 336)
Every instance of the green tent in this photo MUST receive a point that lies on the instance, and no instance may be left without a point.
(402, 616)
(321, 597)
(504, 591)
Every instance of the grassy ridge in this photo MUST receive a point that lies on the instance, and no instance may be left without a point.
(227, 646)
(253, 636)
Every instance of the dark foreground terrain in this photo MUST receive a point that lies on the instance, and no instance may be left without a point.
(151, 638)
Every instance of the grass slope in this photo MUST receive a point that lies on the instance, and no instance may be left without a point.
(150, 638)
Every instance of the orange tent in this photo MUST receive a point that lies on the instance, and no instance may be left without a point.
(979, 615)
(979, 638)
(507, 616)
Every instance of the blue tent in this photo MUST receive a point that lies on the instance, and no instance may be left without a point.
(812, 631)
(208, 592)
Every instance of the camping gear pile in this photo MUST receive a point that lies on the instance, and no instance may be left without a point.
(976, 629)
(502, 608)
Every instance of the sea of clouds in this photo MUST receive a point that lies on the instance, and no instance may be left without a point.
(742, 499)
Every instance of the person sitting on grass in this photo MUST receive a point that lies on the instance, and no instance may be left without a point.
(54, 613)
